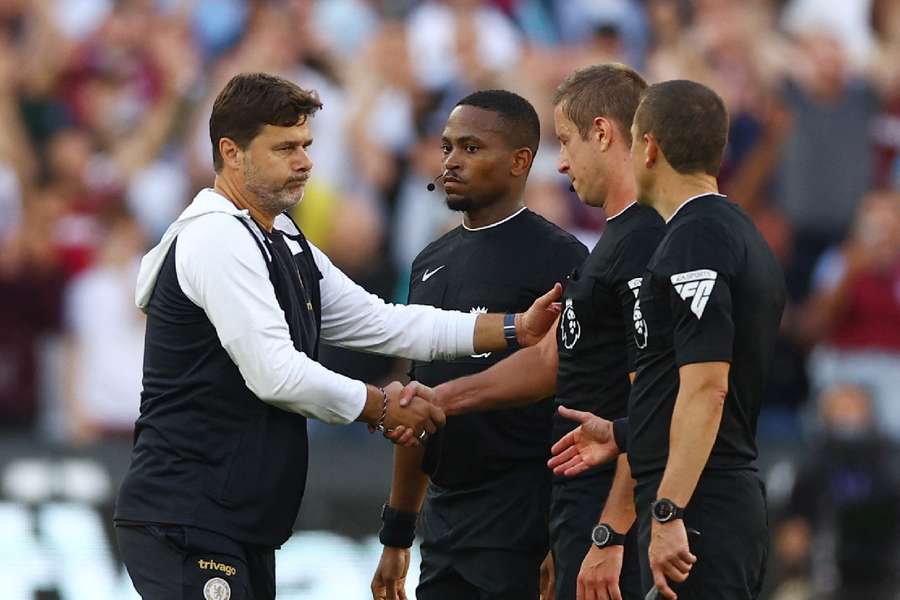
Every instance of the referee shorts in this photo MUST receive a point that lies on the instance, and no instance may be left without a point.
(728, 508)
(575, 508)
(170, 562)
(486, 540)
(502, 575)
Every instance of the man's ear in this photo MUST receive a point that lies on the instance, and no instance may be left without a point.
(231, 153)
(652, 151)
(521, 161)
(603, 131)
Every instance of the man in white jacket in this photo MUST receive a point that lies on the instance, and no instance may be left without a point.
(237, 302)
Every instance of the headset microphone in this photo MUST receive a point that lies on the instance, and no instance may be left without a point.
(571, 188)
(431, 187)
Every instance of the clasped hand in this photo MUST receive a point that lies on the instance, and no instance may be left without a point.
(409, 422)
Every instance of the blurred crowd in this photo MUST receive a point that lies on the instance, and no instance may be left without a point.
(104, 107)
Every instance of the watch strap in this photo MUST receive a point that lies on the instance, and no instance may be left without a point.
(509, 331)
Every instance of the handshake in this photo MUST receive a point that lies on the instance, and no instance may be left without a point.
(406, 415)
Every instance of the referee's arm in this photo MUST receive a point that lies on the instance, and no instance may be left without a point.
(524, 378)
(695, 425)
(703, 338)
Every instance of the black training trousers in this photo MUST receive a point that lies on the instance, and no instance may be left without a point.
(168, 562)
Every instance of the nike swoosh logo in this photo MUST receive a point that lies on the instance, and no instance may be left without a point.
(427, 274)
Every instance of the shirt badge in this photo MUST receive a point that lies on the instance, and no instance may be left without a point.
(217, 589)
(696, 286)
(640, 324)
(569, 327)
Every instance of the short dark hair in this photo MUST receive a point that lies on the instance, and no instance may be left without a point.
(250, 101)
(521, 125)
(689, 122)
(610, 90)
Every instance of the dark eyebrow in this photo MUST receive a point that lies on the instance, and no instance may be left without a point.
(465, 139)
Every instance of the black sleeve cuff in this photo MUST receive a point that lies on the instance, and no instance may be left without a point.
(620, 433)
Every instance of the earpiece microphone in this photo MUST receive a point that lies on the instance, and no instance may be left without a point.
(431, 187)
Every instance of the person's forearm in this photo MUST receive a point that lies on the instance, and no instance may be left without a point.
(618, 512)
(409, 482)
(374, 406)
(695, 425)
(521, 379)
(488, 336)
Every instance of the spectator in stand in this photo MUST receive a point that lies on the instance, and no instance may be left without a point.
(31, 283)
(820, 185)
(843, 518)
(105, 337)
(854, 310)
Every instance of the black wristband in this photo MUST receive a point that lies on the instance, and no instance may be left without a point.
(398, 527)
(620, 433)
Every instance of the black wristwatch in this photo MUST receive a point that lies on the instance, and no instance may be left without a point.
(603, 536)
(664, 510)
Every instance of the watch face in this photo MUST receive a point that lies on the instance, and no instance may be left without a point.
(663, 511)
(601, 535)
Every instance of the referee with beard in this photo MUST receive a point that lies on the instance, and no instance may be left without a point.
(588, 361)
(709, 307)
(484, 520)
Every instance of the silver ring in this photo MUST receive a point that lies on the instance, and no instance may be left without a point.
(423, 436)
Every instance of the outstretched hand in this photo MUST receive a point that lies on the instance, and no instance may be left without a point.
(588, 445)
(540, 316)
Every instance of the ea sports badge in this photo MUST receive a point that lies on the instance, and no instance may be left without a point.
(217, 589)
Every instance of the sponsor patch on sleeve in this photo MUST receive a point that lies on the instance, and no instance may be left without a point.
(695, 287)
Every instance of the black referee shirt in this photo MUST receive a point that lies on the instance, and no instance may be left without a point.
(712, 292)
(499, 268)
(594, 337)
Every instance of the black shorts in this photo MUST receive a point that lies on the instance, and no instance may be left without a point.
(728, 508)
(575, 508)
(501, 575)
(169, 562)
(486, 540)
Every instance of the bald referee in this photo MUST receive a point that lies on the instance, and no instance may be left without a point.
(709, 308)
(237, 302)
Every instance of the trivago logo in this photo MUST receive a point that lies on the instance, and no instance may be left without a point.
(216, 566)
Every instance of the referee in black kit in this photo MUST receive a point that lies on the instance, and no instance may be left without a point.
(709, 309)
(589, 360)
(237, 302)
(484, 520)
